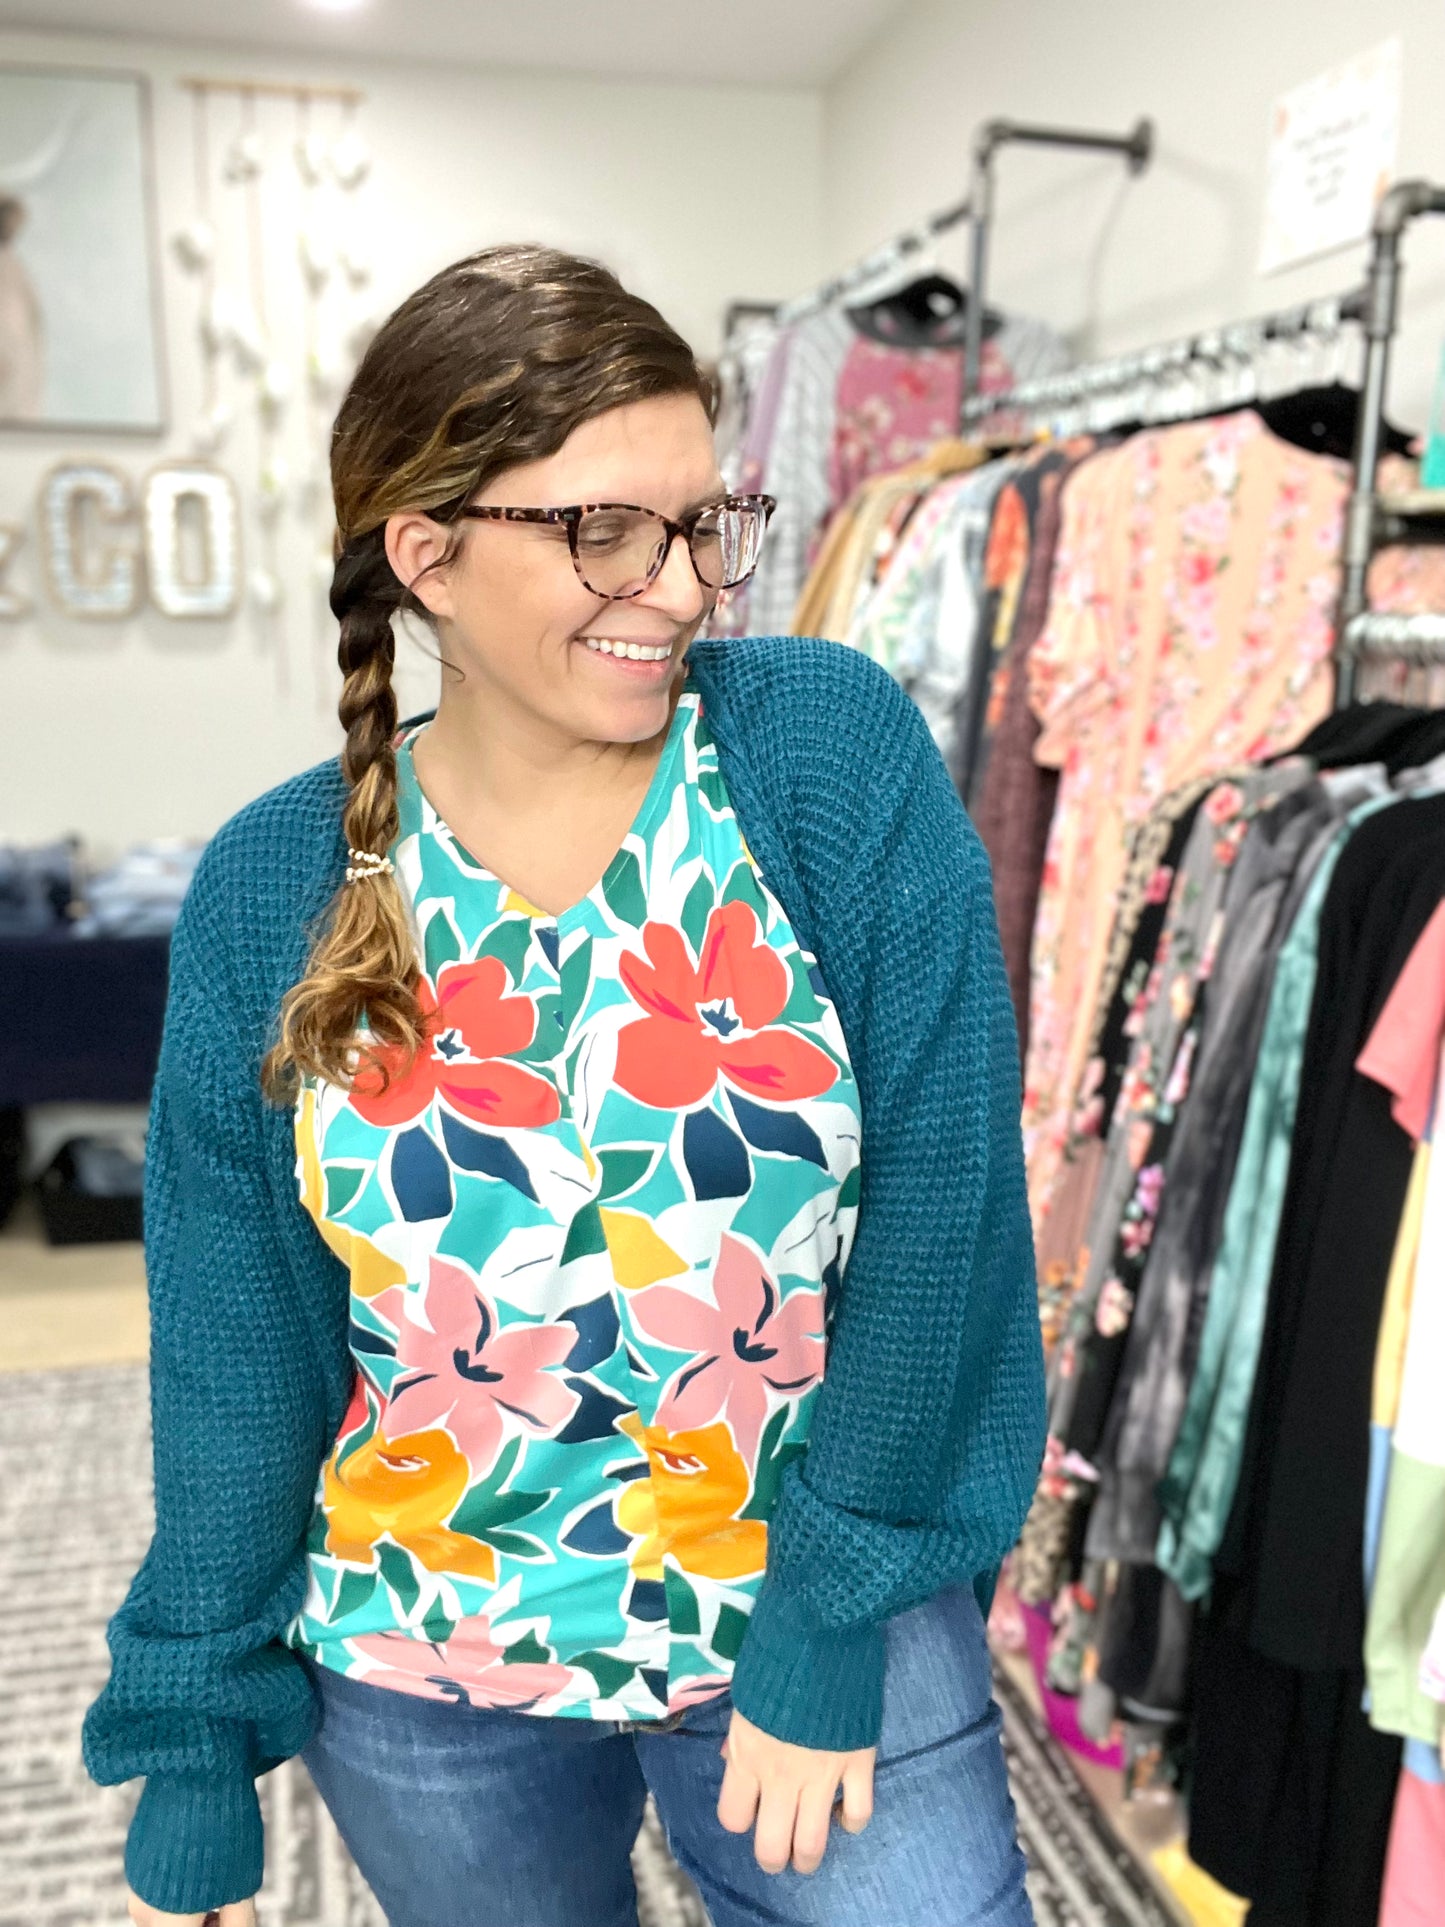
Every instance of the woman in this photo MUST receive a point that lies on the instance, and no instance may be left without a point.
(647, 1423)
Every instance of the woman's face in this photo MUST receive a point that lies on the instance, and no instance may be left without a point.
(514, 616)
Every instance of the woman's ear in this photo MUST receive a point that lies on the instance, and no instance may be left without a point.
(414, 545)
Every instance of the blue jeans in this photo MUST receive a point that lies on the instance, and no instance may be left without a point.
(464, 1817)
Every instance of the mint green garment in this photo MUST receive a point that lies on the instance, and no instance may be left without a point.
(1197, 1491)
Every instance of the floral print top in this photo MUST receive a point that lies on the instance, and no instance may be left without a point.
(594, 1234)
(1190, 628)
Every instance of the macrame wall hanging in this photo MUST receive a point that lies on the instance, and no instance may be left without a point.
(276, 247)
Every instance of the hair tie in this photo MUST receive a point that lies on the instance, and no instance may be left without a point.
(366, 863)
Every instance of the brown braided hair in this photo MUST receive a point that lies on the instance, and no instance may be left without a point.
(491, 364)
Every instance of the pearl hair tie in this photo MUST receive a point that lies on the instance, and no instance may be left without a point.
(366, 863)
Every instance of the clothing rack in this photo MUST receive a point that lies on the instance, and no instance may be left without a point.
(1137, 147)
(1374, 519)
(1138, 385)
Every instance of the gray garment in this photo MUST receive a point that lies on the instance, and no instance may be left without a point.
(797, 470)
(1198, 892)
(1275, 863)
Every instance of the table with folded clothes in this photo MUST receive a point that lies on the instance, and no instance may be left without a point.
(83, 970)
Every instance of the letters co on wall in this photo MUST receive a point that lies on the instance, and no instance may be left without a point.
(106, 546)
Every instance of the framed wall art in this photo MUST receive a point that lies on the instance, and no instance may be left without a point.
(80, 339)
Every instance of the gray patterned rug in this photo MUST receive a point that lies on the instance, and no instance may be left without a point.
(74, 1523)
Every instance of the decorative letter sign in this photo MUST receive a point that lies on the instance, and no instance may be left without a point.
(13, 605)
(191, 548)
(89, 575)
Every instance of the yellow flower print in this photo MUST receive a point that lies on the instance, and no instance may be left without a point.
(689, 1504)
(405, 1487)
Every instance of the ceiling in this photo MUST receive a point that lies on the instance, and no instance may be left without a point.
(783, 43)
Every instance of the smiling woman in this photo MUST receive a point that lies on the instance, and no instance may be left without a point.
(542, 1364)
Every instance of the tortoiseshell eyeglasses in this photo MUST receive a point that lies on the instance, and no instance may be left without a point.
(619, 550)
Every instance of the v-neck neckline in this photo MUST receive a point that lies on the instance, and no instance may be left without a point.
(414, 803)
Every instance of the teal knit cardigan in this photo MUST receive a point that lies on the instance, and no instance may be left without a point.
(929, 1427)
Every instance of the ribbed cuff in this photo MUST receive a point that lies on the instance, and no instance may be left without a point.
(803, 1683)
(195, 1842)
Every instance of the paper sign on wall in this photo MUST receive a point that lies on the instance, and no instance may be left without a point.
(1332, 154)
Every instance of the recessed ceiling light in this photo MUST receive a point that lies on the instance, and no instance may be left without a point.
(336, 6)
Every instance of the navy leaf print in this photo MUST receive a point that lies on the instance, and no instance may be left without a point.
(596, 1533)
(597, 1331)
(655, 1680)
(716, 1158)
(648, 1600)
(419, 1177)
(547, 942)
(595, 1415)
(493, 1157)
(781, 1131)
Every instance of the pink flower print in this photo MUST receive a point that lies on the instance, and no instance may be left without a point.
(1135, 1237)
(1160, 884)
(1114, 1310)
(1141, 1136)
(470, 1665)
(744, 1344)
(1149, 1189)
(1223, 803)
(464, 1372)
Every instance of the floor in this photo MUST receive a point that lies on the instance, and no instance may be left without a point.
(63, 1308)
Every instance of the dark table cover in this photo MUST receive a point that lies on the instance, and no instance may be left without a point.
(83, 1018)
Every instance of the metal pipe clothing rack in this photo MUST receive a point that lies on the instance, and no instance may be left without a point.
(1137, 147)
(1154, 384)
(1372, 519)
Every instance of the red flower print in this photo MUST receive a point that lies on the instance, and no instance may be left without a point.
(463, 1371)
(743, 1344)
(713, 1018)
(471, 1028)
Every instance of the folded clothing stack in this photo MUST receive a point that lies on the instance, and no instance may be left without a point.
(140, 894)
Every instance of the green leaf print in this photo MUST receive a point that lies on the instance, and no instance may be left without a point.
(696, 911)
(622, 888)
(480, 1510)
(682, 1608)
(443, 944)
(742, 887)
(515, 1545)
(585, 1235)
(802, 1006)
(439, 1625)
(343, 1181)
(549, 1034)
(727, 1637)
(713, 790)
(623, 1169)
(576, 974)
(352, 1594)
(610, 1674)
(510, 940)
(527, 1651)
(397, 1571)
(773, 1461)
(850, 1190)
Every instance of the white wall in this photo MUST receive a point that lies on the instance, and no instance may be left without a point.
(1117, 262)
(151, 727)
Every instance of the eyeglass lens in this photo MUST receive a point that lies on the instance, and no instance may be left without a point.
(619, 550)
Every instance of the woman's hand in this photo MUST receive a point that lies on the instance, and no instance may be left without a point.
(786, 1794)
(241, 1913)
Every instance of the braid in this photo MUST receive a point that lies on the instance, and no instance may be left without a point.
(364, 962)
(364, 595)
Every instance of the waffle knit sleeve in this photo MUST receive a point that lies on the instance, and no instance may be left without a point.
(202, 1695)
(929, 1427)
